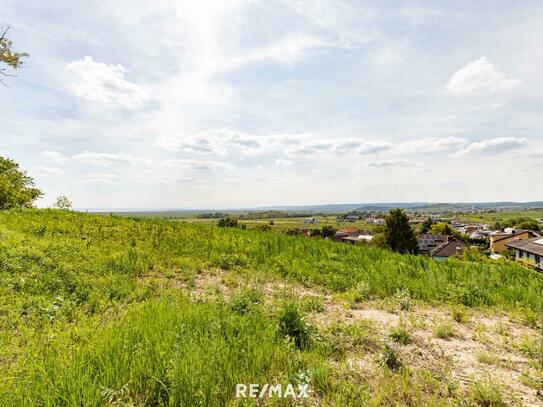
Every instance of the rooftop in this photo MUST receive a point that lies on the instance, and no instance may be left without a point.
(533, 245)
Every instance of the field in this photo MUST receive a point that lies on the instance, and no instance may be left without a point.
(107, 310)
(283, 224)
(492, 217)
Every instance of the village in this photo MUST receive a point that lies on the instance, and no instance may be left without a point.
(443, 237)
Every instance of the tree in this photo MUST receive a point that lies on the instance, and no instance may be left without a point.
(426, 225)
(7, 56)
(328, 231)
(63, 202)
(16, 188)
(528, 225)
(398, 233)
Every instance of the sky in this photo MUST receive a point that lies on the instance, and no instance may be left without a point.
(234, 104)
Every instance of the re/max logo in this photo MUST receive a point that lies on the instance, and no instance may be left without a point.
(269, 390)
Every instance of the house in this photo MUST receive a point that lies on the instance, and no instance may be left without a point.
(440, 247)
(498, 240)
(529, 250)
(356, 239)
(310, 220)
(346, 232)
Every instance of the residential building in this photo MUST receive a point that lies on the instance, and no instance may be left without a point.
(498, 240)
(440, 247)
(530, 250)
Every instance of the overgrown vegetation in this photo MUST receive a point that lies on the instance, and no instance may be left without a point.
(87, 318)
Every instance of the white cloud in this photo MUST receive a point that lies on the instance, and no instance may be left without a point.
(100, 178)
(200, 165)
(105, 83)
(493, 146)
(431, 144)
(105, 159)
(283, 163)
(54, 156)
(46, 171)
(480, 76)
(215, 141)
(394, 163)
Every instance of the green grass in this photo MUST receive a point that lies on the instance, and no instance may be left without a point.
(86, 317)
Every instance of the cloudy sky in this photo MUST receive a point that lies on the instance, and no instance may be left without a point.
(233, 103)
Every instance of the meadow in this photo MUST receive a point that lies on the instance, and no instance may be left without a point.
(107, 310)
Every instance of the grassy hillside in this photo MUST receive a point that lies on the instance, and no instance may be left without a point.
(101, 310)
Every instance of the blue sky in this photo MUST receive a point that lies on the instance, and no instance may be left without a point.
(217, 104)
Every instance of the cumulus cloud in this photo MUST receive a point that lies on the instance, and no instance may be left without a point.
(215, 141)
(493, 146)
(105, 159)
(431, 144)
(480, 76)
(200, 165)
(393, 163)
(105, 83)
(54, 156)
(340, 146)
(100, 178)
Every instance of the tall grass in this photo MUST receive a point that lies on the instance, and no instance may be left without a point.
(80, 323)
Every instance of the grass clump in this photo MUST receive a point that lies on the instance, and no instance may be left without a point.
(459, 313)
(312, 303)
(443, 329)
(401, 334)
(486, 393)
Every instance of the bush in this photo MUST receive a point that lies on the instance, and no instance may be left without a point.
(292, 325)
(401, 334)
(389, 356)
(227, 222)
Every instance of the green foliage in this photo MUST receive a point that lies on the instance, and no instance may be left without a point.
(62, 202)
(7, 55)
(443, 329)
(83, 294)
(401, 334)
(442, 229)
(528, 225)
(426, 225)
(328, 231)
(293, 326)
(389, 355)
(227, 222)
(487, 393)
(16, 187)
(398, 233)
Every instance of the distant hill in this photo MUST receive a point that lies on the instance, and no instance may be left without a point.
(425, 207)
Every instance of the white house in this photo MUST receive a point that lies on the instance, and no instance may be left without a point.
(530, 250)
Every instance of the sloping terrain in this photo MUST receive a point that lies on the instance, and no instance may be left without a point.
(100, 310)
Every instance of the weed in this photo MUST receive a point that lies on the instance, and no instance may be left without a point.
(293, 326)
(443, 329)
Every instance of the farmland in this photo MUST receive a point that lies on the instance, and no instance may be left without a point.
(104, 310)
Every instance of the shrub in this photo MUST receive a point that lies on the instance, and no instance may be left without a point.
(292, 325)
(227, 222)
(389, 356)
(400, 334)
